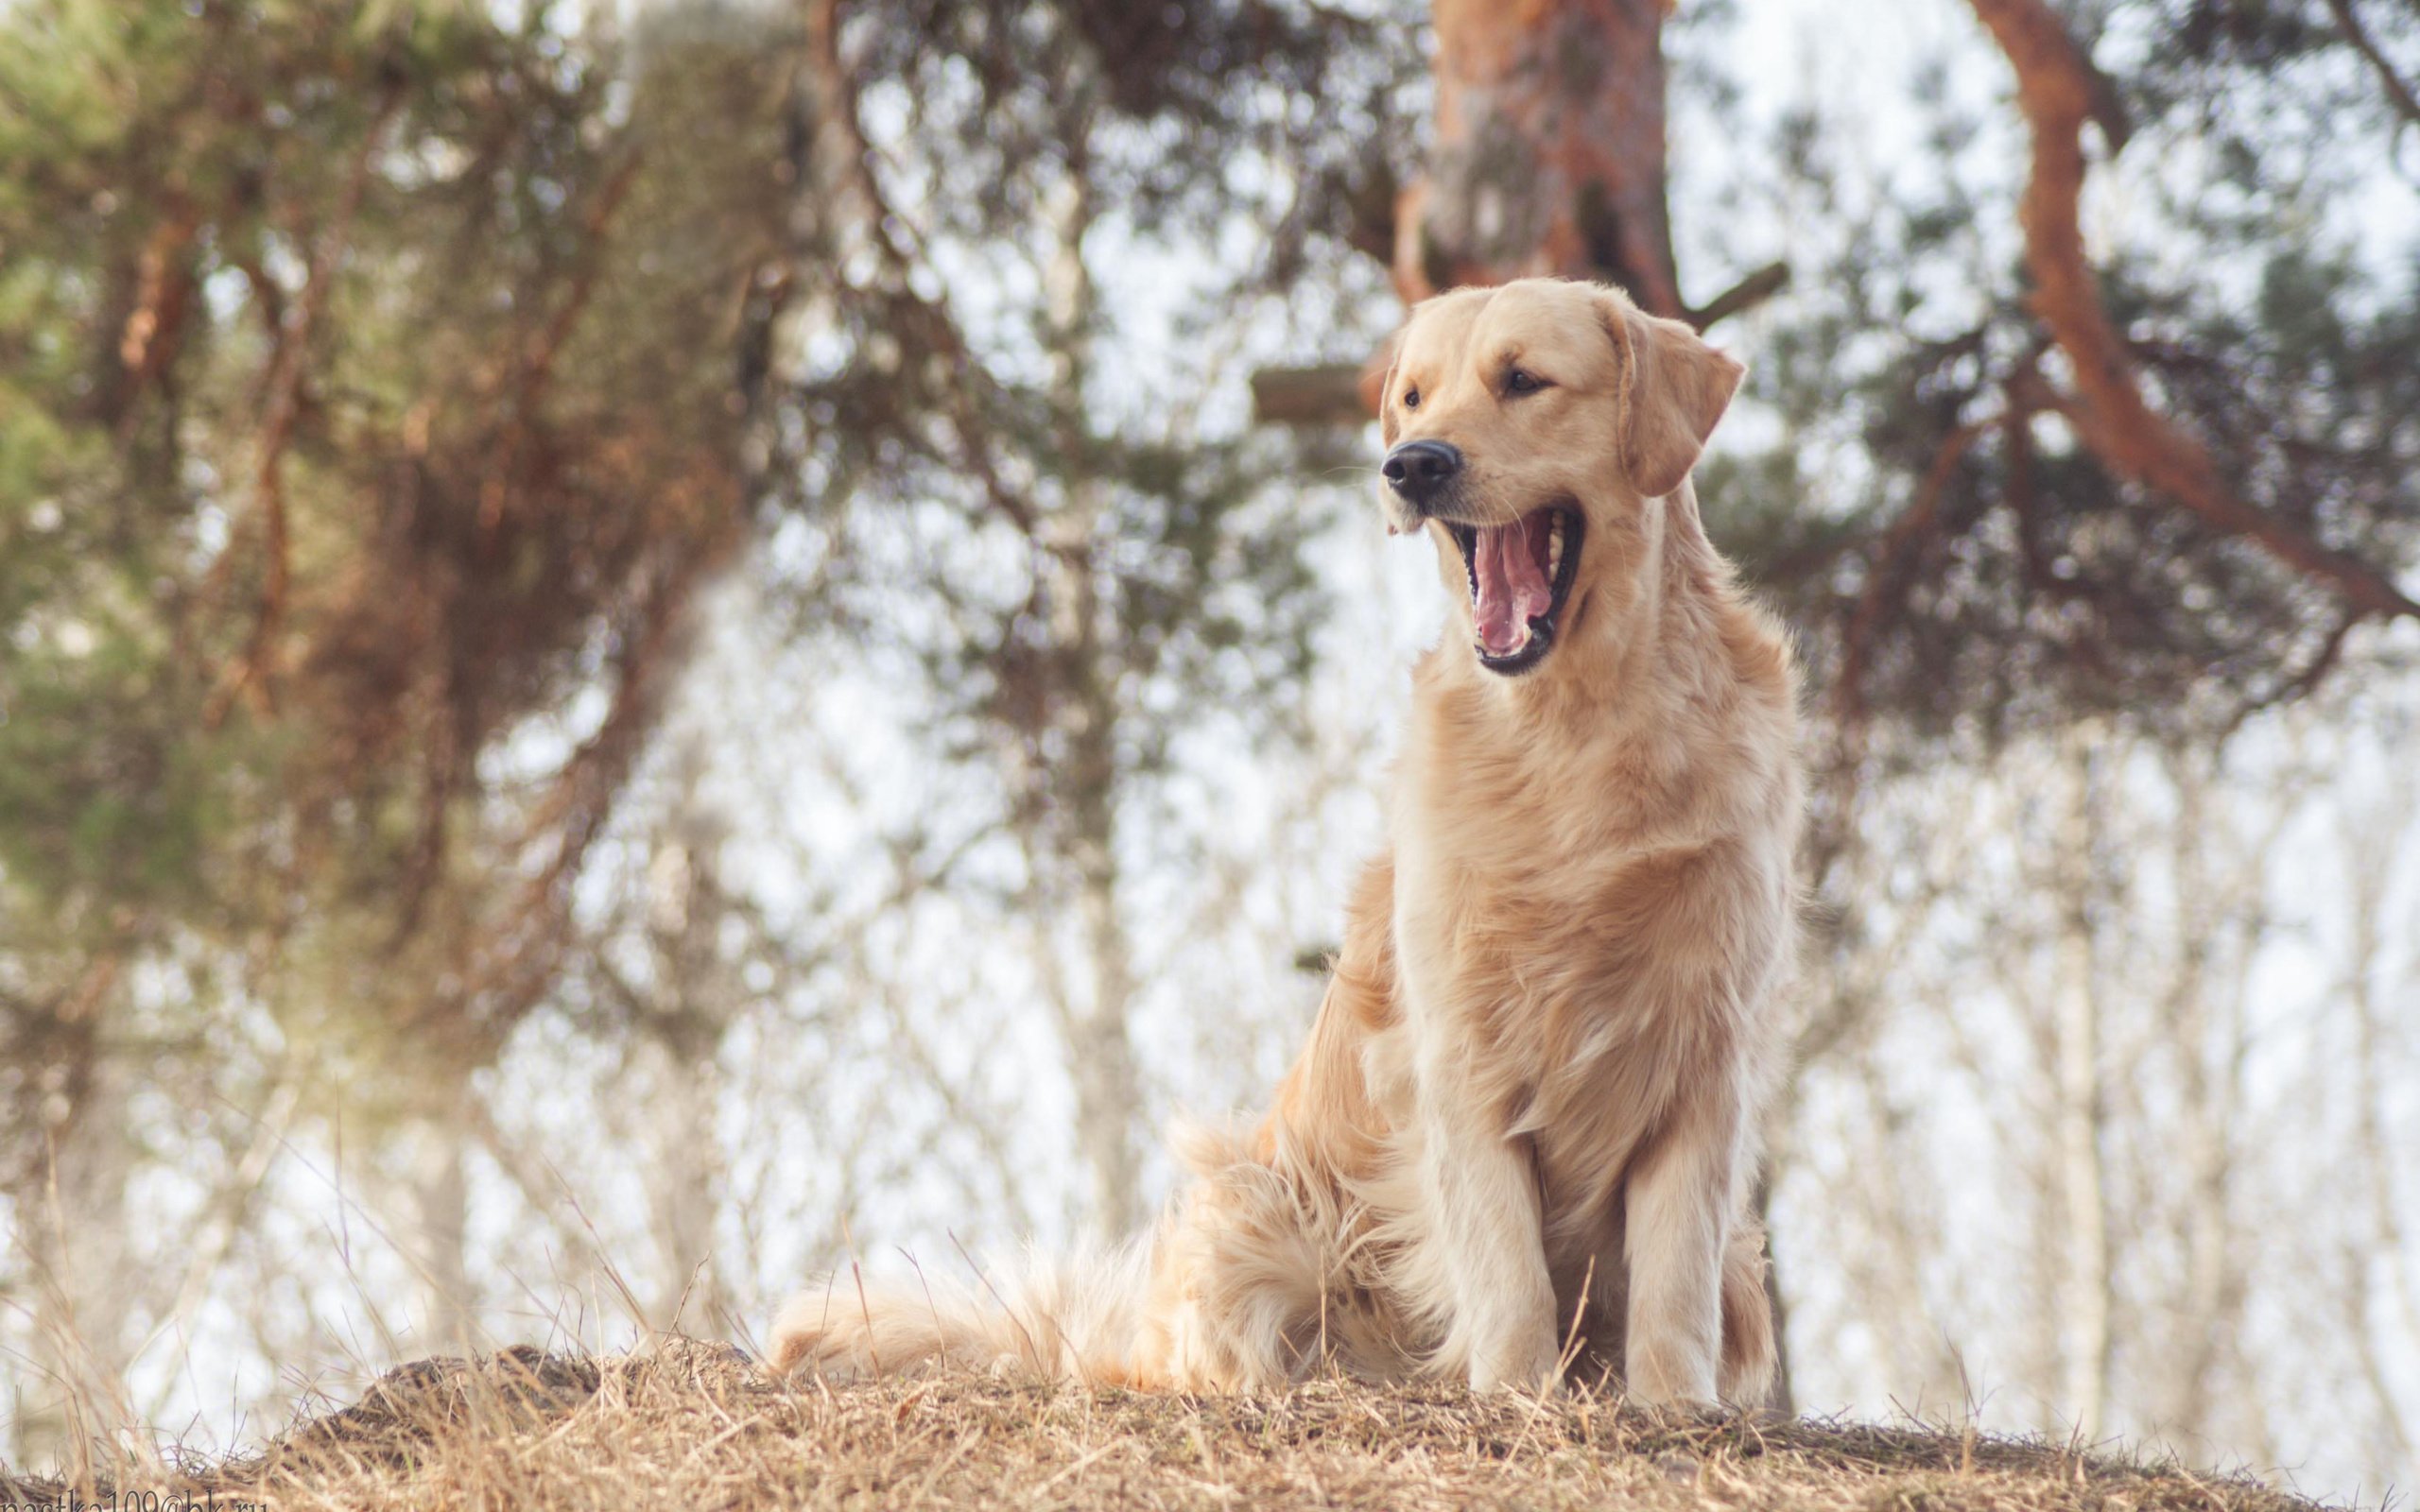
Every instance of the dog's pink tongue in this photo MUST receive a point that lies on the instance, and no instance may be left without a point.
(1512, 585)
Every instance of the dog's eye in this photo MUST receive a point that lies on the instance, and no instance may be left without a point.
(1412, 399)
(1520, 381)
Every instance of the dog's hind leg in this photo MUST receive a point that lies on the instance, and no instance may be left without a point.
(1249, 1287)
(1750, 1356)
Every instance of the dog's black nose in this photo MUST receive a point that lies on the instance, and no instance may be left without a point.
(1419, 470)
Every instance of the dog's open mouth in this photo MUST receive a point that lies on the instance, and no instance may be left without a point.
(1520, 574)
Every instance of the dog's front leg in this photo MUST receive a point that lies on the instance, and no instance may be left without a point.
(1484, 1231)
(1677, 1219)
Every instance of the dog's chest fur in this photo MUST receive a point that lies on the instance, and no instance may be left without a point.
(1589, 919)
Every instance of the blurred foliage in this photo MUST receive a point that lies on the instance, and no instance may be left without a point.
(1961, 560)
(1014, 482)
(379, 385)
(363, 407)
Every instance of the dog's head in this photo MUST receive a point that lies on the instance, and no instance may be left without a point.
(1530, 426)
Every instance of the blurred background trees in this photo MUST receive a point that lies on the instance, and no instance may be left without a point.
(648, 647)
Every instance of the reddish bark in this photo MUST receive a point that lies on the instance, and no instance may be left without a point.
(2058, 90)
(1548, 159)
(1548, 155)
(154, 329)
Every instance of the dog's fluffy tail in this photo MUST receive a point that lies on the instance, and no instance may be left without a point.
(1075, 1317)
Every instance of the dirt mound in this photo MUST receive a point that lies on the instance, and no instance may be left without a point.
(699, 1425)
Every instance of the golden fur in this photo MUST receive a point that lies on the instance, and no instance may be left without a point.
(1521, 1142)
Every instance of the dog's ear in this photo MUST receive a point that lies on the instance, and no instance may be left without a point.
(1675, 389)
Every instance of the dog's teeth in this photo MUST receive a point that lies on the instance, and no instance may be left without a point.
(1554, 546)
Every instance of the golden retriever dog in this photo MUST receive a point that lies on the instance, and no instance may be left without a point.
(1520, 1144)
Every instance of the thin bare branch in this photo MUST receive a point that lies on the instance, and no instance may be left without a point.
(1890, 563)
(845, 167)
(2405, 103)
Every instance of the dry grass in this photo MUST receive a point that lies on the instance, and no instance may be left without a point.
(696, 1426)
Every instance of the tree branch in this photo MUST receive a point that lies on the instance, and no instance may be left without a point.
(2058, 89)
(253, 670)
(1741, 297)
(536, 368)
(2396, 90)
(512, 963)
(842, 169)
(154, 329)
(1334, 393)
(1889, 564)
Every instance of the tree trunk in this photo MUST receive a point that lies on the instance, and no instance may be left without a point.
(681, 1024)
(436, 1203)
(1108, 1093)
(2084, 1291)
(684, 1183)
(1548, 155)
(1101, 1053)
(75, 1232)
(1548, 159)
(2206, 1317)
(2379, 1302)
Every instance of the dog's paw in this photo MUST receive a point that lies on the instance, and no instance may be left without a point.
(1678, 1400)
(1671, 1373)
(1536, 1369)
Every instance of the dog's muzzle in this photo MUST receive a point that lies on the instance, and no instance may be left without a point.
(1420, 473)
